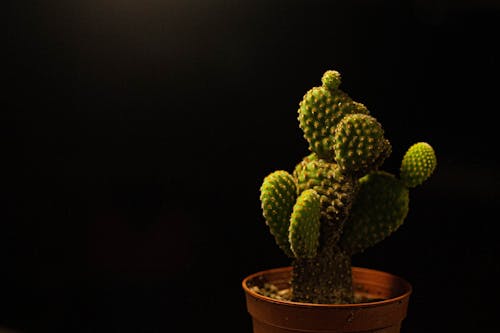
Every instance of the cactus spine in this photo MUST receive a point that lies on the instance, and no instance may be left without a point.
(337, 202)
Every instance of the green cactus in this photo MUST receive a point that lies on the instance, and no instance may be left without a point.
(278, 195)
(418, 164)
(335, 189)
(321, 109)
(379, 209)
(304, 225)
(337, 202)
(359, 144)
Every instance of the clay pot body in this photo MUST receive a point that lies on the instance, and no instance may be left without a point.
(383, 316)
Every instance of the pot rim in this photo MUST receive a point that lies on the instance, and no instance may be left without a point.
(406, 286)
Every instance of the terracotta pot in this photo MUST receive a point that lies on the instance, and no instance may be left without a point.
(382, 316)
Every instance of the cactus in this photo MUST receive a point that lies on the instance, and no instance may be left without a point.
(321, 109)
(337, 202)
(304, 225)
(360, 144)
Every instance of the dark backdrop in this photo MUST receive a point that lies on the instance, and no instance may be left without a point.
(137, 133)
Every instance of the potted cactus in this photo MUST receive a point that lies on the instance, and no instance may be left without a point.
(335, 203)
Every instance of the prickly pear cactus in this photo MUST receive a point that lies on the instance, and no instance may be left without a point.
(380, 207)
(418, 164)
(359, 144)
(335, 189)
(337, 202)
(321, 109)
(304, 225)
(277, 195)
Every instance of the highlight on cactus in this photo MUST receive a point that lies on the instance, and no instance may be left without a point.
(338, 201)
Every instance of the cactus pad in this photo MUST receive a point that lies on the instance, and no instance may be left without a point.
(418, 164)
(277, 195)
(304, 225)
(379, 209)
(335, 189)
(360, 145)
(320, 111)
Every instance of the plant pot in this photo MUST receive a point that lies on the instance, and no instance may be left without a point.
(384, 315)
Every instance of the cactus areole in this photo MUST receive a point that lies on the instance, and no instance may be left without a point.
(337, 201)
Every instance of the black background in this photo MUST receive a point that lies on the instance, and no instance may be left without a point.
(137, 133)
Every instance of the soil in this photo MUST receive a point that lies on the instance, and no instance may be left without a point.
(285, 294)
